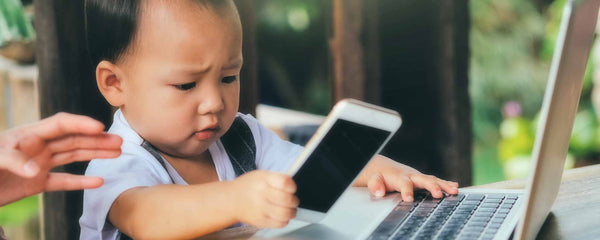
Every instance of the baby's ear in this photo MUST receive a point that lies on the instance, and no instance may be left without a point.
(110, 83)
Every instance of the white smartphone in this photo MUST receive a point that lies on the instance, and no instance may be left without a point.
(352, 134)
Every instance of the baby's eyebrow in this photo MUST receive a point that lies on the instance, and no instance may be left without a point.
(234, 64)
(193, 69)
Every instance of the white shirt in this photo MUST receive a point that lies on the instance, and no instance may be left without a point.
(136, 167)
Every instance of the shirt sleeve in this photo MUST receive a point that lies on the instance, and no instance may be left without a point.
(272, 152)
(134, 168)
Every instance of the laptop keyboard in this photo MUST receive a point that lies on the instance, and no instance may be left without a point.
(462, 216)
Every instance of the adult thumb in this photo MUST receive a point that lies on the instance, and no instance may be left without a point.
(18, 163)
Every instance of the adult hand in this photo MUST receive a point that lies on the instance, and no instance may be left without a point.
(28, 153)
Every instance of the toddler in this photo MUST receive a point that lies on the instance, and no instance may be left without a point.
(172, 69)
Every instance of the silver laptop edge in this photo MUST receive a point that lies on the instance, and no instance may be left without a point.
(561, 99)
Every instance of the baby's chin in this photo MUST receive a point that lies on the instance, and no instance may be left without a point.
(191, 151)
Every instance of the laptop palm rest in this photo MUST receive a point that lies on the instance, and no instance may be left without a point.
(356, 214)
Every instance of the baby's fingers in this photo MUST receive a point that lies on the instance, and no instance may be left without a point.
(282, 214)
(449, 187)
(376, 185)
(281, 182)
(283, 199)
(428, 182)
(404, 185)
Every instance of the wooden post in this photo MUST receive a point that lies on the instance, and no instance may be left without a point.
(248, 76)
(66, 84)
(347, 50)
(354, 45)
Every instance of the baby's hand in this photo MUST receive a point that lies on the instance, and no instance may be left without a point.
(385, 175)
(265, 199)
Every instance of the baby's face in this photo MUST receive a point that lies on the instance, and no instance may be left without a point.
(182, 82)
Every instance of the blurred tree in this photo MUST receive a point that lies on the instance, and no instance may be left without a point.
(293, 54)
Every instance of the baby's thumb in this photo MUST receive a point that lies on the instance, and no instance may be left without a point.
(376, 185)
(16, 162)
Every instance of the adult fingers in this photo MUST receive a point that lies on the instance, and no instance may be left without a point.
(82, 155)
(31, 145)
(18, 163)
(376, 185)
(62, 124)
(69, 182)
(427, 182)
(104, 141)
(282, 182)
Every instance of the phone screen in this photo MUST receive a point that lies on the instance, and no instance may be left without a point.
(336, 161)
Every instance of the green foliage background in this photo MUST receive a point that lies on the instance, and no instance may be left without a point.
(512, 43)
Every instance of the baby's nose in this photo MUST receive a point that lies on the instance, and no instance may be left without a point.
(210, 103)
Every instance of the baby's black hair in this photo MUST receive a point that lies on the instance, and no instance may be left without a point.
(110, 26)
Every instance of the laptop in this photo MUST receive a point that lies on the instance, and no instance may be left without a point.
(478, 213)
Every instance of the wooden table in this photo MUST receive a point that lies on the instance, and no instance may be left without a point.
(575, 214)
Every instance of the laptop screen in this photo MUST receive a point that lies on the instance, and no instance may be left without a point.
(338, 159)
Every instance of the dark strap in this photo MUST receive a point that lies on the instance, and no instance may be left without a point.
(238, 143)
(240, 147)
(152, 150)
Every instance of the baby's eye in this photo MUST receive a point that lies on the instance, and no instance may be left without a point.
(185, 87)
(229, 79)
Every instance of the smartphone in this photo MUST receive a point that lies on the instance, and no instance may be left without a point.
(351, 135)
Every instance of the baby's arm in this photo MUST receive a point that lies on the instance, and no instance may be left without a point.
(259, 198)
(385, 175)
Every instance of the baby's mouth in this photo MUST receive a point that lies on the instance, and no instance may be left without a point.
(207, 133)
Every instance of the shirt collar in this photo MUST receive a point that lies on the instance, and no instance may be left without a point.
(121, 127)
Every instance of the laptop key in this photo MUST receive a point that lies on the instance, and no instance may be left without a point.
(494, 225)
(458, 197)
(512, 196)
(391, 222)
(495, 196)
(475, 196)
(492, 201)
(480, 219)
(378, 237)
(503, 210)
(429, 204)
(489, 205)
(486, 210)
(506, 206)
(408, 203)
(470, 202)
(483, 214)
